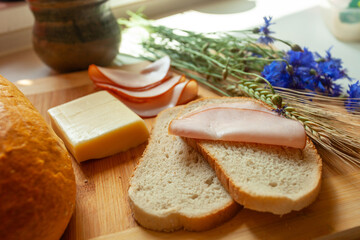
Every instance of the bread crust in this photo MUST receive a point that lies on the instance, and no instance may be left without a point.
(177, 221)
(37, 182)
(275, 204)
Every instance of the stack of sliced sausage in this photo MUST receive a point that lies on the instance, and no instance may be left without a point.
(148, 92)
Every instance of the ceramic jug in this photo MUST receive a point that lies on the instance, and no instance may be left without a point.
(69, 35)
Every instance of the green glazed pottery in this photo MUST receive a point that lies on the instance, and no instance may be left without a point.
(69, 35)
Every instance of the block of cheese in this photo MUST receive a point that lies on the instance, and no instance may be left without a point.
(97, 125)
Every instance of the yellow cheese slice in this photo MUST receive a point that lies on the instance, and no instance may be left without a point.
(97, 125)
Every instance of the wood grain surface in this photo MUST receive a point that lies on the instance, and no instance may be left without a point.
(102, 209)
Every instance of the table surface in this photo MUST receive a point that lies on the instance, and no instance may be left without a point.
(299, 21)
(102, 207)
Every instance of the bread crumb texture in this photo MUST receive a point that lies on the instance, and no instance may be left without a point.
(37, 183)
(263, 177)
(266, 170)
(173, 187)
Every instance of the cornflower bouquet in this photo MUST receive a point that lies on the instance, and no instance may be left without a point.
(298, 83)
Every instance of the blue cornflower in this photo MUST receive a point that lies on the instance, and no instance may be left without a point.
(353, 102)
(294, 73)
(265, 31)
(302, 63)
(329, 70)
(277, 74)
(332, 67)
(303, 58)
(303, 71)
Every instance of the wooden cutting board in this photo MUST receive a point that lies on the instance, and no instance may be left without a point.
(102, 209)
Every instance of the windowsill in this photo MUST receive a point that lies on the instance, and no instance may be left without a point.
(16, 19)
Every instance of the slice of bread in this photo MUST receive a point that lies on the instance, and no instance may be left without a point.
(37, 181)
(173, 187)
(261, 177)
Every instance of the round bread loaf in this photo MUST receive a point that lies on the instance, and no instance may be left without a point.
(37, 183)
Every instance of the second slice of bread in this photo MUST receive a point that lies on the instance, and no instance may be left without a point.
(262, 177)
(173, 186)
